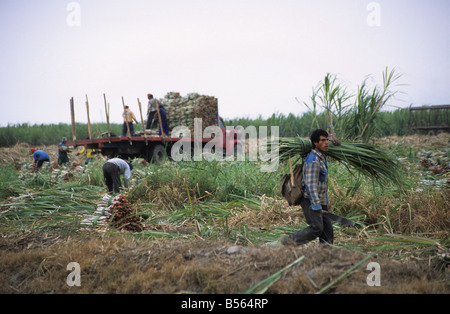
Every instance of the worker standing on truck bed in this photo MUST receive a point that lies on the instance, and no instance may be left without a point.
(128, 118)
(152, 118)
(112, 169)
(151, 110)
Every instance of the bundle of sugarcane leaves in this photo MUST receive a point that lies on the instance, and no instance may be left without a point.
(365, 158)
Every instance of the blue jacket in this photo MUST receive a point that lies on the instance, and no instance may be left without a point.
(40, 155)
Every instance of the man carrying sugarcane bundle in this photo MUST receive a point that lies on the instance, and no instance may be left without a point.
(315, 198)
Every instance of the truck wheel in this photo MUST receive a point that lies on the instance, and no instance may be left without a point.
(110, 153)
(157, 154)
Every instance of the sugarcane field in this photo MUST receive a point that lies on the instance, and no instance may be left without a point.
(225, 156)
(214, 225)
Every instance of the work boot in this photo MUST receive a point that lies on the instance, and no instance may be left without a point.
(288, 241)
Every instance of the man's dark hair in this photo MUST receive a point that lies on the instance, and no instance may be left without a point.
(315, 136)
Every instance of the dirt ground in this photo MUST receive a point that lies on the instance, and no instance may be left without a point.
(120, 264)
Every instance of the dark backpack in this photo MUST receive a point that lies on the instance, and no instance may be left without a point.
(291, 185)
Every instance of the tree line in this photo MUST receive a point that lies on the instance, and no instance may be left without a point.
(398, 122)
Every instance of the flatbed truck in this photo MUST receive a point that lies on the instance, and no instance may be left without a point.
(152, 148)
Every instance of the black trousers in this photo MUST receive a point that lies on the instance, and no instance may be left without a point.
(112, 177)
(125, 129)
(319, 225)
(151, 121)
(40, 162)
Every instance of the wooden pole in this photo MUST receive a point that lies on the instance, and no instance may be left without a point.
(128, 127)
(159, 116)
(142, 121)
(89, 120)
(72, 115)
(107, 118)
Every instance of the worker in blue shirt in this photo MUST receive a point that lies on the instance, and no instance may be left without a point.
(39, 157)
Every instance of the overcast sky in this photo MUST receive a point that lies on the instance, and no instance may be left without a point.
(255, 56)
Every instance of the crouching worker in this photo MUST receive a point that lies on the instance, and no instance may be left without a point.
(112, 170)
(39, 157)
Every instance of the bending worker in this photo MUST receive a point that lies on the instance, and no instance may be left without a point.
(112, 170)
(39, 157)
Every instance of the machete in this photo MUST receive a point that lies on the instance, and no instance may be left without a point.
(339, 219)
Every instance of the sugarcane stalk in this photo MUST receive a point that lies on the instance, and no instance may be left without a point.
(345, 274)
(142, 121)
(159, 117)
(365, 158)
(72, 116)
(262, 286)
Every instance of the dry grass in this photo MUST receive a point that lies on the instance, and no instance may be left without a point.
(415, 141)
(417, 213)
(116, 264)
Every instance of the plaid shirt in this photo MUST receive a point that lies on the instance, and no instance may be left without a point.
(315, 179)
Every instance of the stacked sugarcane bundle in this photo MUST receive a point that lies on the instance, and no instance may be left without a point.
(181, 111)
(123, 216)
(117, 211)
(365, 158)
(101, 215)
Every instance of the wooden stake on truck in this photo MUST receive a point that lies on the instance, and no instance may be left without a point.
(159, 116)
(89, 120)
(72, 115)
(107, 118)
(142, 121)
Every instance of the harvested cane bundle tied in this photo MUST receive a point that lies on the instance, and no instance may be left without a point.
(181, 111)
(365, 158)
(117, 211)
(122, 216)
